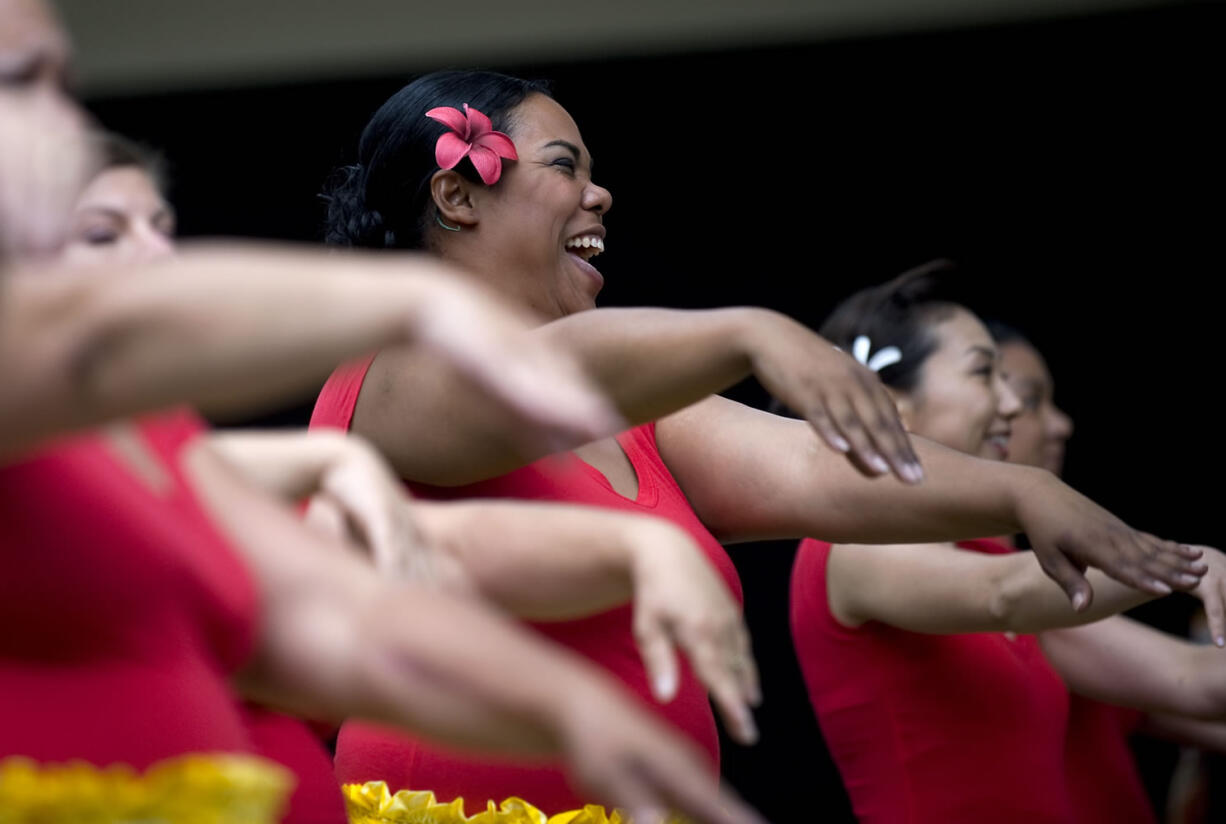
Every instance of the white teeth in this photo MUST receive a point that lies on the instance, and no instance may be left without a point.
(587, 242)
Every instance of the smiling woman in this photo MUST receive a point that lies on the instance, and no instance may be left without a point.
(527, 221)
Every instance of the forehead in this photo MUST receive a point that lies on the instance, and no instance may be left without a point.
(29, 27)
(960, 331)
(121, 188)
(539, 120)
(1023, 361)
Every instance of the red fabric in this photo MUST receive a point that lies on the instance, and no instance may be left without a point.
(956, 729)
(124, 611)
(1103, 780)
(295, 744)
(367, 753)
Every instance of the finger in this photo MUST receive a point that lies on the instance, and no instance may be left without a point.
(891, 438)
(878, 427)
(1064, 572)
(716, 672)
(693, 794)
(325, 515)
(1215, 612)
(659, 658)
(1219, 637)
(850, 425)
(750, 684)
(820, 420)
(1165, 569)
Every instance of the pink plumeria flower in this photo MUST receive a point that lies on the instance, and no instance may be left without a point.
(472, 135)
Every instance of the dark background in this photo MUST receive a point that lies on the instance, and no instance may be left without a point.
(1073, 168)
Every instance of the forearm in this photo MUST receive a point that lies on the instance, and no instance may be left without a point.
(1193, 732)
(1027, 601)
(339, 642)
(1121, 661)
(544, 561)
(753, 476)
(223, 327)
(653, 362)
(290, 465)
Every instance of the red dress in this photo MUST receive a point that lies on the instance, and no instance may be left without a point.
(124, 610)
(368, 753)
(955, 729)
(1103, 780)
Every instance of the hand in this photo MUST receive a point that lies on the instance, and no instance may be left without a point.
(490, 343)
(1069, 532)
(1212, 594)
(623, 757)
(680, 601)
(844, 401)
(362, 503)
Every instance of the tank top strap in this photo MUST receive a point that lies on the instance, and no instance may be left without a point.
(338, 399)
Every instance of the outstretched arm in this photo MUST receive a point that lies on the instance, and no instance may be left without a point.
(235, 327)
(750, 475)
(650, 362)
(1122, 661)
(338, 641)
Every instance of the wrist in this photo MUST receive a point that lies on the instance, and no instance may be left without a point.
(751, 329)
(1028, 490)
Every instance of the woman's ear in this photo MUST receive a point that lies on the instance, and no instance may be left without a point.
(452, 196)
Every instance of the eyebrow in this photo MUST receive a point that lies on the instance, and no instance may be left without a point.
(982, 350)
(572, 148)
(120, 214)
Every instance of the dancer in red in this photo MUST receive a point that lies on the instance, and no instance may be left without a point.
(1104, 781)
(937, 699)
(488, 172)
(111, 534)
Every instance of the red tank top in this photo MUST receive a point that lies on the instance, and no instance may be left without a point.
(956, 729)
(368, 753)
(124, 609)
(1103, 780)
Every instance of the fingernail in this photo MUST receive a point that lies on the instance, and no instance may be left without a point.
(665, 686)
(878, 463)
(1161, 587)
(748, 728)
(1190, 580)
(841, 444)
(1079, 601)
(1220, 641)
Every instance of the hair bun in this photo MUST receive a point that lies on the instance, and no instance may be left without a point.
(349, 221)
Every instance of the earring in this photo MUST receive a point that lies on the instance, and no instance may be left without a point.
(439, 220)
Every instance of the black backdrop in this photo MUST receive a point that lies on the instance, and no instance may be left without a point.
(1073, 167)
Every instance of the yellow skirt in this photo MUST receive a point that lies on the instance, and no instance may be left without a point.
(373, 803)
(188, 789)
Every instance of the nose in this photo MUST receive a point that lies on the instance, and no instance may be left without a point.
(597, 199)
(1008, 405)
(1061, 424)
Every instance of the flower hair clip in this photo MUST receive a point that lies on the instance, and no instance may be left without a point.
(862, 346)
(472, 135)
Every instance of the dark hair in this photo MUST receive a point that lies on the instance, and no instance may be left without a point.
(116, 151)
(1003, 333)
(383, 201)
(900, 312)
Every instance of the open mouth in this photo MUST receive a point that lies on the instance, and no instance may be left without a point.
(999, 442)
(585, 246)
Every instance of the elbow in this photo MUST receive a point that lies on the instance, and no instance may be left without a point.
(1004, 606)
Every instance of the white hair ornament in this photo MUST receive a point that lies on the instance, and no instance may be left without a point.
(862, 346)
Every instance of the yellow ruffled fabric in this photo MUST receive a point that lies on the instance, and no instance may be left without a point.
(373, 803)
(188, 789)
